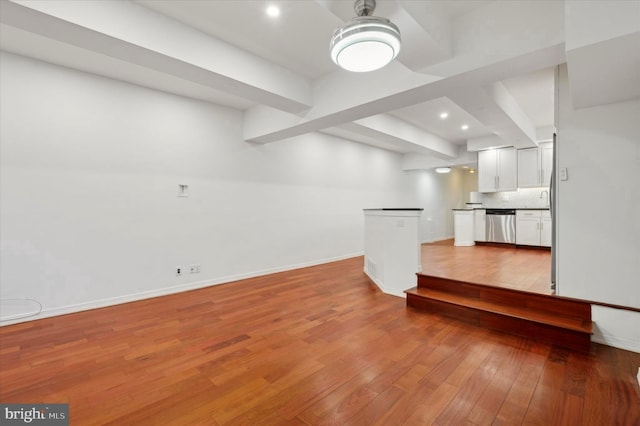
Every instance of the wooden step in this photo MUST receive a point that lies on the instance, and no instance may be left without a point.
(556, 320)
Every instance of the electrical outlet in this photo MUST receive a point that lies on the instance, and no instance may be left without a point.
(194, 269)
(178, 271)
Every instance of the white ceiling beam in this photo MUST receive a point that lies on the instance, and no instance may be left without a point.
(499, 112)
(486, 142)
(391, 129)
(417, 161)
(356, 135)
(334, 107)
(130, 32)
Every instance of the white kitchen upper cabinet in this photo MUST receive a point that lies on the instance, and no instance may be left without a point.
(497, 170)
(507, 169)
(529, 168)
(546, 163)
(487, 171)
(535, 165)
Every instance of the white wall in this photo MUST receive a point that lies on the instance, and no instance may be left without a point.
(599, 212)
(438, 194)
(90, 168)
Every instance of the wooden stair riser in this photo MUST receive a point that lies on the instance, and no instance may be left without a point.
(551, 319)
(543, 332)
(543, 303)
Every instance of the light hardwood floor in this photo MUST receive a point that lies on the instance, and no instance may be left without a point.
(519, 268)
(319, 345)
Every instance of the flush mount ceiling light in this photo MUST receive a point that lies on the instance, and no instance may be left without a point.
(443, 169)
(365, 43)
(273, 11)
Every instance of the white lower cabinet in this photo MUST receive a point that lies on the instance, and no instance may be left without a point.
(479, 225)
(533, 228)
(545, 230)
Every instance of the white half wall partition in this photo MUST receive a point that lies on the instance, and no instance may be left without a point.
(392, 248)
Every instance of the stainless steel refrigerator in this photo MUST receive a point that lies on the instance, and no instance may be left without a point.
(554, 216)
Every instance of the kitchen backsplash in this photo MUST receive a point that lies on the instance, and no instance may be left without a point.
(522, 198)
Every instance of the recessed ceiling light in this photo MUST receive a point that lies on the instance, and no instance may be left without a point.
(443, 169)
(444, 115)
(273, 11)
(472, 171)
(464, 126)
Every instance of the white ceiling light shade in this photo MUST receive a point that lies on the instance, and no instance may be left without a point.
(443, 169)
(365, 43)
(273, 11)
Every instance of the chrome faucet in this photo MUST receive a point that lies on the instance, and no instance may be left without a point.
(542, 193)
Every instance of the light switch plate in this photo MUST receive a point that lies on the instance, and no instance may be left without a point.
(564, 173)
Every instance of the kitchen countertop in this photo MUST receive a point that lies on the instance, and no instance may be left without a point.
(502, 208)
(399, 208)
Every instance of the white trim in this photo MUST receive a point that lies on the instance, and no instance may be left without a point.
(437, 239)
(70, 309)
(616, 342)
(389, 291)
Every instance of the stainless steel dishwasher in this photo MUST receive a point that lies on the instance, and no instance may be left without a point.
(501, 226)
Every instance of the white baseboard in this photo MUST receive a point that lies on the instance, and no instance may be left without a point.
(435, 240)
(616, 342)
(165, 291)
(386, 290)
(616, 327)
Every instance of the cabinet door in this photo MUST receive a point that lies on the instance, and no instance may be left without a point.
(545, 231)
(507, 169)
(528, 231)
(546, 163)
(487, 171)
(528, 168)
(480, 225)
